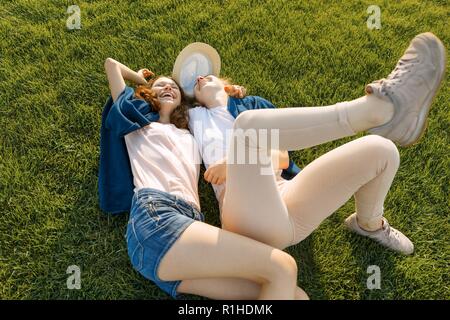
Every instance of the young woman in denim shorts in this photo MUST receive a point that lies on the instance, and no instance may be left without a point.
(168, 242)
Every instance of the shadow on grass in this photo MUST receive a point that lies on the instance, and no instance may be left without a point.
(308, 271)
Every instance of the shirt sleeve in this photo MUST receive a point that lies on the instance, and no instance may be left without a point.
(127, 113)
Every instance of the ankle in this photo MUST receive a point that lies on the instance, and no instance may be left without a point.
(370, 226)
(368, 112)
(382, 111)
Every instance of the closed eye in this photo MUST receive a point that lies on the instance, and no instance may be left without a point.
(173, 86)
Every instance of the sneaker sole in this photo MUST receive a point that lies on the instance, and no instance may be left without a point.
(423, 115)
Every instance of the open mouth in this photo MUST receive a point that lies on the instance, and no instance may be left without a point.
(167, 95)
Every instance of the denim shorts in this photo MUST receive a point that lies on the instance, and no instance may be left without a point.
(157, 220)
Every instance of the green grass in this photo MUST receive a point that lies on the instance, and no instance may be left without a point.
(295, 53)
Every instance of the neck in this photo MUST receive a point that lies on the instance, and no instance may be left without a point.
(164, 118)
(218, 100)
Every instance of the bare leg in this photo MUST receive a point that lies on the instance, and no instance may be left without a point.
(228, 289)
(204, 251)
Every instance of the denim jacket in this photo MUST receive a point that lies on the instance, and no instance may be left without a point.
(115, 179)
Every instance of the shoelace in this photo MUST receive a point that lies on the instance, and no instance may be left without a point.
(402, 67)
(395, 77)
(395, 235)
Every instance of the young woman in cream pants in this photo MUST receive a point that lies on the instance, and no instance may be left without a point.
(283, 213)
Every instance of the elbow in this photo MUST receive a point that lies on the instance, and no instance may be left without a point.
(109, 62)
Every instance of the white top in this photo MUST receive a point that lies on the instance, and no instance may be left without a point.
(166, 158)
(212, 129)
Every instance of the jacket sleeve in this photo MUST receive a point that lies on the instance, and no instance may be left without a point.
(261, 103)
(127, 113)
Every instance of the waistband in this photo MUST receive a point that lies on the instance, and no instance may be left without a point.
(166, 196)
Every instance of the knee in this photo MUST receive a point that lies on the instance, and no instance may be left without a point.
(245, 120)
(300, 294)
(382, 148)
(244, 129)
(285, 265)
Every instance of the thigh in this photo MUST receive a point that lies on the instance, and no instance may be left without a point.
(205, 251)
(228, 289)
(253, 206)
(221, 288)
(329, 182)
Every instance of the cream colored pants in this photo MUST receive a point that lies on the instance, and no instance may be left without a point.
(255, 206)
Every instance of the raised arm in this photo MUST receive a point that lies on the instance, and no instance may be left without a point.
(117, 73)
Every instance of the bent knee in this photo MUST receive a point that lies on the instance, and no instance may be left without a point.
(246, 120)
(286, 263)
(300, 294)
(383, 148)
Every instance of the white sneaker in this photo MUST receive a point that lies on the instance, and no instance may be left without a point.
(411, 87)
(386, 236)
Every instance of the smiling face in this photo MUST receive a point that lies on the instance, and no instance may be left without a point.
(207, 87)
(168, 94)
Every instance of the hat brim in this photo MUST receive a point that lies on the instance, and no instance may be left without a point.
(197, 59)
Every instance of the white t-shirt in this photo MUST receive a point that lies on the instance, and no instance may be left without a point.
(212, 129)
(166, 158)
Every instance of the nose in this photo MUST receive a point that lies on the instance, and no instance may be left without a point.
(199, 78)
(168, 86)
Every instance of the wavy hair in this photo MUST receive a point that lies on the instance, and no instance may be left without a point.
(179, 116)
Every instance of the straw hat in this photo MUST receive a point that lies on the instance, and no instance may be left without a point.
(197, 59)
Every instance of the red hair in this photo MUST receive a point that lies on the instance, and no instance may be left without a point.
(179, 116)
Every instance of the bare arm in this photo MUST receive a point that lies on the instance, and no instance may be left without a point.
(117, 73)
(283, 158)
(217, 172)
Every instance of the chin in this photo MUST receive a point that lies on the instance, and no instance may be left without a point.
(168, 106)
